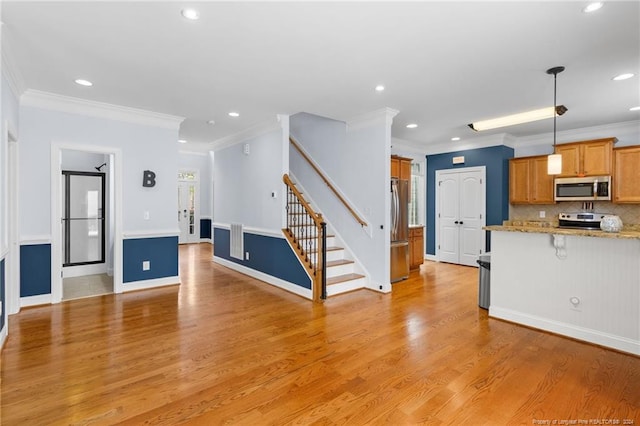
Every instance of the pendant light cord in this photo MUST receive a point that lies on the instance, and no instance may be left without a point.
(555, 112)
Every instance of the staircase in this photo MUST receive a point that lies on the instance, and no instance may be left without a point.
(342, 274)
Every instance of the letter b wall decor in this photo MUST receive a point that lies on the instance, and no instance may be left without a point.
(148, 179)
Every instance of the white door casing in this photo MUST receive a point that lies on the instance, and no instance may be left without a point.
(188, 206)
(460, 215)
(56, 214)
(12, 265)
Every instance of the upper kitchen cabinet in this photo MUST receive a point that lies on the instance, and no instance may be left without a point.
(626, 174)
(529, 182)
(401, 167)
(588, 158)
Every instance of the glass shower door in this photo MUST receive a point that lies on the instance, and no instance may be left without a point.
(83, 222)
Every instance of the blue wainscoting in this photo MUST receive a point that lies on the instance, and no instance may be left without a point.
(161, 252)
(35, 270)
(2, 293)
(269, 255)
(205, 229)
(496, 161)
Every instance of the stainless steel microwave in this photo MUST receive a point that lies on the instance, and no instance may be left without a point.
(589, 188)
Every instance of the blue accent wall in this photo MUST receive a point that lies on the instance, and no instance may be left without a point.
(205, 228)
(35, 270)
(496, 161)
(162, 253)
(269, 255)
(2, 293)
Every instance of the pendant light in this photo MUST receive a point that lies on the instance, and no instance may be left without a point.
(554, 161)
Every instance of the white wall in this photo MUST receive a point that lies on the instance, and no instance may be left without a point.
(355, 158)
(244, 183)
(144, 147)
(79, 161)
(201, 162)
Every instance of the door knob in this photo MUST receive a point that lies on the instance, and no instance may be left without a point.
(456, 222)
(461, 222)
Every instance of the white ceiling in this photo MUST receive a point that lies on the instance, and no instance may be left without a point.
(444, 64)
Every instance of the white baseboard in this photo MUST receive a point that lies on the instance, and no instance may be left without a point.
(206, 240)
(431, 257)
(41, 299)
(146, 284)
(269, 279)
(580, 333)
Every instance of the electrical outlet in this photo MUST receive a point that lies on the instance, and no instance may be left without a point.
(543, 214)
(146, 265)
(246, 255)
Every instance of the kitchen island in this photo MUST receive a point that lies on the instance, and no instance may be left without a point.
(584, 284)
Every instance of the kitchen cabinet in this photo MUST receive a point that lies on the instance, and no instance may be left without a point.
(626, 174)
(587, 158)
(401, 168)
(529, 182)
(416, 247)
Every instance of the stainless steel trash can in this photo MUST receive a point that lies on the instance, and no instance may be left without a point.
(484, 280)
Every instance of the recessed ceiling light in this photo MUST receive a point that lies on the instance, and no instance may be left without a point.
(379, 88)
(182, 141)
(622, 77)
(412, 126)
(455, 139)
(211, 122)
(83, 82)
(190, 14)
(636, 108)
(234, 114)
(592, 7)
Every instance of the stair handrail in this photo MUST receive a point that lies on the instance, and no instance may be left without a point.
(314, 254)
(327, 182)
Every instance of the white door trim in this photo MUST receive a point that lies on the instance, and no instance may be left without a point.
(12, 265)
(439, 173)
(195, 238)
(56, 214)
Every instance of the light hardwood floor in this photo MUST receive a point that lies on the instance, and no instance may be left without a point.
(223, 348)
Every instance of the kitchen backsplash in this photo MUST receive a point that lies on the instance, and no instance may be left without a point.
(629, 213)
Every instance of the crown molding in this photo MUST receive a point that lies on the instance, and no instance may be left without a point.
(475, 143)
(10, 71)
(373, 116)
(198, 153)
(52, 101)
(250, 133)
(627, 133)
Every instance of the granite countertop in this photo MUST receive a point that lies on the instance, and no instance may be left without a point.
(550, 227)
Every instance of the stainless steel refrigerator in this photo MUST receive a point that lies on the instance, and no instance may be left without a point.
(399, 229)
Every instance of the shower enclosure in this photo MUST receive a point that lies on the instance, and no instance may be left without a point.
(83, 221)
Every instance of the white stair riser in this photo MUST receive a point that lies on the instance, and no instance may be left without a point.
(334, 271)
(335, 255)
(343, 287)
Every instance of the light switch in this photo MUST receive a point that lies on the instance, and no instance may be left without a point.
(146, 215)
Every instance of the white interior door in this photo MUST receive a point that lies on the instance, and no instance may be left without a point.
(188, 209)
(460, 199)
(448, 207)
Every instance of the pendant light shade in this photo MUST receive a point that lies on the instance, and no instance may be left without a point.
(554, 161)
(554, 164)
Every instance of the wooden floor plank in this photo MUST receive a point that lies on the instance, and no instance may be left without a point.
(223, 348)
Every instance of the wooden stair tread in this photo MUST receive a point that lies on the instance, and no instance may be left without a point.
(339, 262)
(328, 249)
(313, 238)
(342, 278)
